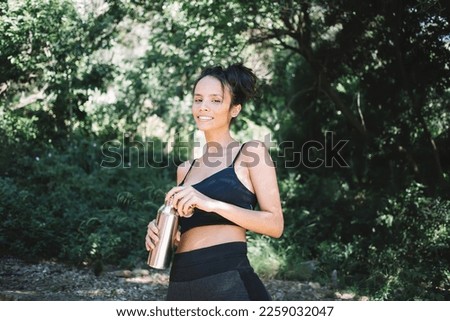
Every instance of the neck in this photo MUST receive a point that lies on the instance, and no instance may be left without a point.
(216, 142)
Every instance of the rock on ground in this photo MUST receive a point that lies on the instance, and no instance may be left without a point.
(51, 281)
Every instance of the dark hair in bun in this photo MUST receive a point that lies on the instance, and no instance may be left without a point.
(240, 80)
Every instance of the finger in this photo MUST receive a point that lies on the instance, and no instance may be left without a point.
(182, 205)
(188, 207)
(177, 197)
(169, 194)
(153, 237)
(149, 244)
(153, 228)
(151, 240)
(173, 191)
(153, 232)
(175, 200)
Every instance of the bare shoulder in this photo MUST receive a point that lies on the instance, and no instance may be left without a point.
(184, 165)
(256, 156)
(255, 149)
(255, 145)
(182, 170)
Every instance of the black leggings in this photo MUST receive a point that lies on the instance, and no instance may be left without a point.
(216, 273)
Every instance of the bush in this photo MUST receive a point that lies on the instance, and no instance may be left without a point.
(388, 247)
(409, 251)
(62, 209)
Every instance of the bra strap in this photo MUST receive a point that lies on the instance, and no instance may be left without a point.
(234, 160)
(187, 172)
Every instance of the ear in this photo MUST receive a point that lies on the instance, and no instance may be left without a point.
(235, 110)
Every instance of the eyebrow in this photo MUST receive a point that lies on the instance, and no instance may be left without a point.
(212, 95)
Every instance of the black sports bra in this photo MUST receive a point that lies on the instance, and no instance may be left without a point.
(224, 186)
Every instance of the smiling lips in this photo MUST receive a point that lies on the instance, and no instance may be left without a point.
(204, 118)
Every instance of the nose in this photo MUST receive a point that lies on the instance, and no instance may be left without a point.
(204, 105)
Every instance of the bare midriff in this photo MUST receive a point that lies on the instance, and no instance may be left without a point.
(204, 236)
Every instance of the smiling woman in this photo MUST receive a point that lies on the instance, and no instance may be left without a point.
(211, 259)
(211, 104)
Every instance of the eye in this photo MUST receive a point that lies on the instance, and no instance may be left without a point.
(198, 100)
(216, 101)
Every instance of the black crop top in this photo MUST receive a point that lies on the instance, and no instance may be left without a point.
(224, 186)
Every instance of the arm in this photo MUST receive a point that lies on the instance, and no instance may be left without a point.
(268, 221)
(152, 230)
(182, 170)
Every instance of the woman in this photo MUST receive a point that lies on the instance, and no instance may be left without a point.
(221, 188)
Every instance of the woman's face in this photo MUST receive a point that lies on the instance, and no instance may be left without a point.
(211, 106)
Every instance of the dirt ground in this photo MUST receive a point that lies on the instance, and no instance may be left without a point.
(50, 281)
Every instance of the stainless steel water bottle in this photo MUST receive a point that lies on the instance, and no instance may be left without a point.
(167, 223)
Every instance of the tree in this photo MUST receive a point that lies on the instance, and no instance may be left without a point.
(48, 63)
(372, 62)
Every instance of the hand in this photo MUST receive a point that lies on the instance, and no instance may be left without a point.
(152, 236)
(185, 198)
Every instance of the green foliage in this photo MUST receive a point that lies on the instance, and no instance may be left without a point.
(264, 258)
(394, 252)
(48, 62)
(81, 83)
(408, 253)
(59, 210)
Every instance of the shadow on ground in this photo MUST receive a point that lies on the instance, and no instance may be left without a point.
(50, 281)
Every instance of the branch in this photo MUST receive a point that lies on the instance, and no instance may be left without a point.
(276, 34)
(332, 94)
(287, 46)
(285, 17)
(305, 29)
(417, 104)
(3, 87)
(361, 116)
(25, 101)
(303, 38)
